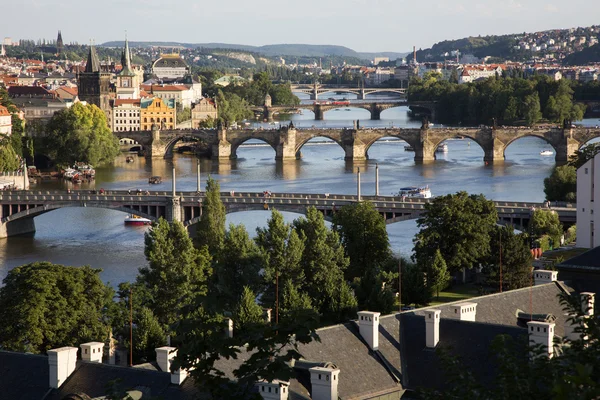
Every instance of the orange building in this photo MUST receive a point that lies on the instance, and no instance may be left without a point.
(157, 111)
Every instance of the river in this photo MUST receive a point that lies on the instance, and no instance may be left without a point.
(97, 237)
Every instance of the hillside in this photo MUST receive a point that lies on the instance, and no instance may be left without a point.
(293, 50)
(585, 56)
(480, 46)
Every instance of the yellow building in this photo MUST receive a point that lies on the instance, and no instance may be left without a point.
(157, 111)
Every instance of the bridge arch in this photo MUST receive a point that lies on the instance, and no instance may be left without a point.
(171, 145)
(532, 135)
(300, 145)
(398, 140)
(235, 144)
(328, 109)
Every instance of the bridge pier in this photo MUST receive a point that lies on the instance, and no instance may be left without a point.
(494, 152)
(375, 112)
(21, 226)
(318, 112)
(354, 148)
(361, 94)
(157, 147)
(568, 147)
(286, 148)
(222, 149)
(268, 114)
(174, 211)
(424, 148)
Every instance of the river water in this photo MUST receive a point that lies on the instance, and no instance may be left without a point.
(97, 237)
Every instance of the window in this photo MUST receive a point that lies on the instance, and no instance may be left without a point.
(586, 171)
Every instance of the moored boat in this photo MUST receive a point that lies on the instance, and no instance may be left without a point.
(442, 148)
(86, 170)
(546, 153)
(155, 180)
(132, 219)
(408, 148)
(415, 192)
(129, 159)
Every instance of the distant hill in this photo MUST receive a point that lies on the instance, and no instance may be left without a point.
(294, 50)
(585, 56)
(480, 46)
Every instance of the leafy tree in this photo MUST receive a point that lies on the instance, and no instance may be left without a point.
(584, 154)
(210, 231)
(80, 133)
(413, 288)
(510, 251)
(247, 313)
(532, 109)
(232, 108)
(546, 222)
(208, 123)
(148, 334)
(176, 271)
(459, 226)
(364, 237)
(324, 262)
(184, 115)
(9, 159)
(561, 185)
(238, 266)
(294, 300)
(372, 293)
(437, 274)
(45, 306)
(282, 249)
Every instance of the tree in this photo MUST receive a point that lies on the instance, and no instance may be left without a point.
(80, 133)
(45, 306)
(458, 225)
(176, 271)
(282, 249)
(148, 334)
(210, 231)
(247, 312)
(294, 300)
(9, 160)
(184, 115)
(561, 185)
(532, 109)
(364, 237)
(238, 267)
(323, 263)
(584, 154)
(509, 251)
(437, 274)
(208, 123)
(546, 222)
(372, 293)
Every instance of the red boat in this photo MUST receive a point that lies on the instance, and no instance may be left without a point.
(136, 220)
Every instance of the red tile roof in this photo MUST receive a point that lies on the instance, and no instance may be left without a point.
(4, 111)
(119, 102)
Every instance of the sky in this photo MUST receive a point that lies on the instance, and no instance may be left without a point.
(362, 25)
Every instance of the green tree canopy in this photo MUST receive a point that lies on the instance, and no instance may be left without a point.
(510, 251)
(459, 226)
(584, 154)
(80, 134)
(364, 237)
(247, 312)
(45, 306)
(438, 276)
(176, 271)
(561, 185)
(546, 222)
(210, 231)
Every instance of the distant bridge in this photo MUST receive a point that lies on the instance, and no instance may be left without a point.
(18, 208)
(288, 141)
(314, 90)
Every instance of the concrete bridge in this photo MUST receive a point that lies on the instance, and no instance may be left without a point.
(314, 90)
(319, 109)
(288, 141)
(18, 208)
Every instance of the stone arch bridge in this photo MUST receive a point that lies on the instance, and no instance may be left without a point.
(288, 141)
(18, 208)
(314, 90)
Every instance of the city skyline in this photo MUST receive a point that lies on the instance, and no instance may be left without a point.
(385, 25)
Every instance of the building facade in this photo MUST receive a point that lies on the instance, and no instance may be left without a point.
(157, 111)
(5, 122)
(202, 110)
(93, 85)
(126, 115)
(588, 189)
(170, 66)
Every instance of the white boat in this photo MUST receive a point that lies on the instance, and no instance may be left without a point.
(132, 219)
(70, 173)
(415, 192)
(85, 169)
(408, 148)
(442, 148)
(546, 153)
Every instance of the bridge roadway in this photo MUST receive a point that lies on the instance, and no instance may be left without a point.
(288, 141)
(18, 208)
(314, 90)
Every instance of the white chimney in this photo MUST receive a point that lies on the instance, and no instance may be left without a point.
(164, 359)
(542, 276)
(92, 351)
(570, 327)
(324, 382)
(62, 363)
(432, 328)
(276, 390)
(542, 333)
(464, 311)
(229, 328)
(587, 303)
(368, 325)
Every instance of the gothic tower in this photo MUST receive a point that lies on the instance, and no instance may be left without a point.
(59, 44)
(93, 84)
(127, 83)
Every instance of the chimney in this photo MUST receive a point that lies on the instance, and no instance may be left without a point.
(276, 390)
(229, 328)
(542, 333)
(464, 311)
(432, 328)
(324, 382)
(542, 276)
(62, 363)
(164, 359)
(587, 303)
(92, 351)
(368, 325)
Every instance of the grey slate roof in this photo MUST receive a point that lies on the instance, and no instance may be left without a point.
(590, 261)
(23, 376)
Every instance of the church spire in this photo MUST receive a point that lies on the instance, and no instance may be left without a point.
(126, 60)
(93, 62)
